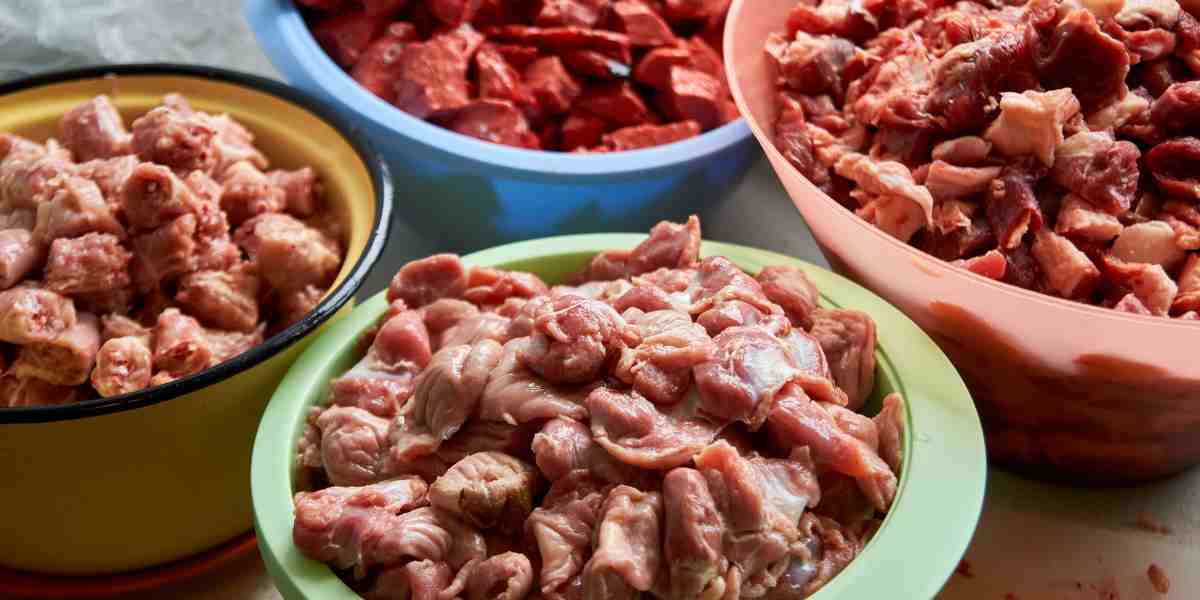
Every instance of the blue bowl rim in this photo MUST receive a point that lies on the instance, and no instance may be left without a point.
(381, 180)
(282, 19)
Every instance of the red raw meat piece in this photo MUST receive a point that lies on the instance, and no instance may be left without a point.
(432, 76)
(499, 80)
(1099, 169)
(842, 18)
(345, 36)
(1188, 298)
(492, 287)
(94, 129)
(696, 96)
(792, 139)
(694, 10)
(1175, 165)
(959, 243)
(1013, 210)
(571, 13)
(643, 26)
(563, 39)
(636, 432)
(550, 83)
(654, 69)
(646, 136)
(383, 7)
(376, 70)
(496, 121)
(1068, 270)
(518, 56)
(970, 75)
(423, 281)
(1080, 56)
(1161, 74)
(95, 262)
(1178, 108)
(992, 265)
(812, 64)
(618, 103)
(594, 64)
(454, 12)
(581, 130)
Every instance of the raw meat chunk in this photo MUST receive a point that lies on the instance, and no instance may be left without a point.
(488, 489)
(181, 347)
(562, 528)
(847, 338)
(67, 359)
(574, 338)
(222, 299)
(791, 289)
(421, 282)
(290, 255)
(91, 263)
(693, 536)
(637, 433)
(94, 130)
(19, 256)
(748, 371)
(514, 394)
(123, 365)
(628, 550)
(181, 140)
(76, 207)
(432, 75)
(30, 315)
(507, 576)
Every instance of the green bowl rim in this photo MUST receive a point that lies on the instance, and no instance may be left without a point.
(381, 182)
(941, 487)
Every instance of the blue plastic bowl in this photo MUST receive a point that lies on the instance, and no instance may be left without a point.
(475, 194)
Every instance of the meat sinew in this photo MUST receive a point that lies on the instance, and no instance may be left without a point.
(1012, 139)
(697, 427)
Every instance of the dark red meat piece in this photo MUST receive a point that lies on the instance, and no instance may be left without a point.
(432, 75)
(1178, 108)
(643, 26)
(1012, 208)
(550, 83)
(345, 36)
(1175, 165)
(1080, 56)
(646, 136)
(571, 13)
(375, 70)
(618, 103)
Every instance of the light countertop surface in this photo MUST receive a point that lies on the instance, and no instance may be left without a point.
(1035, 541)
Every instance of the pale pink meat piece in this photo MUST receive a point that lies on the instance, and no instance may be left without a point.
(75, 207)
(153, 195)
(115, 326)
(377, 392)
(1032, 123)
(67, 359)
(123, 365)
(25, 219)
(29, 315)
(233, 144)
(894, 215)
(1150, 242)
(670, 245)
(294, 305)
(301, 190)
(228, 344)
(444, 313)
(353, 442)
(507, 576)
(448, 391)
(27, 178)
(564, 445)
(181, 140)
(95, 262)
(290, 255)
(891, 425)
(514, 394)
(475, 329)
(336, 524)
(490, 287)
(886, 178)
(791, 289)
(749, 369)
(734, 313)
(966, 151)
(628, 548)
(693, 536)
(647, 298)
(1149, 282)
(181, 347)
(660, 367)
(488, 489)
(636, 432)
(94, 129)
(420, 282)
(402, 344)
(110, 174)
(847, 338)
(20, 392)
(1078, 219)
(164, 254)
(798, 421)
(221, 299)
(950, 182)
(575, 338)
(1099, 169)
(1068, 270)
(761, 501)
(417, 580)
(247, 192)
(562, 528)
(720, 281)
(19, 256)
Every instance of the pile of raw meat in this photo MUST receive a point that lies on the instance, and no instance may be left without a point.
(134, 257)
(668, 425)
(570, 75)
(1048, 144)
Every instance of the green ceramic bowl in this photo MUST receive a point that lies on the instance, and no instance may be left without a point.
(916, 549)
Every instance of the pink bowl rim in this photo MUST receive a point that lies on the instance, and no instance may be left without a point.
(943, 267)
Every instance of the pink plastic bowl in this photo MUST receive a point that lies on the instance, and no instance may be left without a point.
(1066, 391)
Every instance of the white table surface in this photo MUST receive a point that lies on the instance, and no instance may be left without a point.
(1035, 541)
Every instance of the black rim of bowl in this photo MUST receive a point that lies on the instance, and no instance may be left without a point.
(380, 178)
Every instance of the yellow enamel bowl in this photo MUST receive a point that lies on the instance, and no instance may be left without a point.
(942, 479)
(118, 484)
